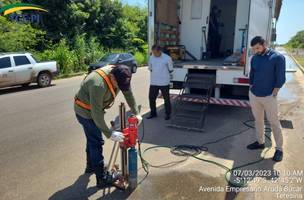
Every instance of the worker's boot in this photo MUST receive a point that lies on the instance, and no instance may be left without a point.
(103, 178)
(89, 169)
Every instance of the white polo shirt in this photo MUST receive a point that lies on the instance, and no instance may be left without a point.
(160, 68)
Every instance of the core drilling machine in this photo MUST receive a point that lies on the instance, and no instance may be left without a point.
(127, 177)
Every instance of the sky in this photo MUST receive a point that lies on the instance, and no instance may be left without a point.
(136, 2)
(290, 22)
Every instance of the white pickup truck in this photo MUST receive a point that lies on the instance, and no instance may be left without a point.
(23, 69)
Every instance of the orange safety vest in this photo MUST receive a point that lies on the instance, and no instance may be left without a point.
(110, 86)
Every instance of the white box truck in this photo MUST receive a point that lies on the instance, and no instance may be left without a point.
(210, 31)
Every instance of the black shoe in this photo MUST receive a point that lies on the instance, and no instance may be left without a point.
(167, 117)
(103, 179)
(151, 116)
(256, 145)
(104, 182)
(278, 156)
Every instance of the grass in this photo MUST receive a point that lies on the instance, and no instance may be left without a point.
(297, 57)
(300, 59)
(60, 76)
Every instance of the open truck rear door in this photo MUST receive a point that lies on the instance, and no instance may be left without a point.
(194, 26)
(151, 24)
(260, 20)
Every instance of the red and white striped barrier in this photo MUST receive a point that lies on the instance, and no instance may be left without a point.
(230, 102)
(226, 102)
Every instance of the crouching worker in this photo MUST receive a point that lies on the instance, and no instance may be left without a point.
(97, 93)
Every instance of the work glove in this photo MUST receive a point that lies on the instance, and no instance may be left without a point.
(139, 118)
(117, 136)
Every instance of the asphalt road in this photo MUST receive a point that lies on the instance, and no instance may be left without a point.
(42, 146)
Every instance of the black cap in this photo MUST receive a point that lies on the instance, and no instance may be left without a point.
(123, 77)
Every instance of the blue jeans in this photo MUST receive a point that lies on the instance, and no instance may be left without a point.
(94, 141)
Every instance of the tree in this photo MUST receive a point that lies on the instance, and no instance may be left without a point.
(56, 21)
(296, 41)
(106, 25)
(134, 23)
(18, 37)
(79, 26)
(138, 17)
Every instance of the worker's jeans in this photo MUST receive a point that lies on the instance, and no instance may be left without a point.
(268, 104)
(94, 141)
(153, 93)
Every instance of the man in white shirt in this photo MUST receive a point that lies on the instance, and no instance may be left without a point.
(161, 68)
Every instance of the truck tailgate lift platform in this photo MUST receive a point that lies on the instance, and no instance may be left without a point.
(189, 115)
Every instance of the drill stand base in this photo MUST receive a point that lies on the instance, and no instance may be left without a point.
(120, 182)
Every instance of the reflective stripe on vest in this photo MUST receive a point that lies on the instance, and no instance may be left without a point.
(82, 104)
(108, 81)
(110, 86)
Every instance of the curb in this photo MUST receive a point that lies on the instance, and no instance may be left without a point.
(299, 65)
(63, 76)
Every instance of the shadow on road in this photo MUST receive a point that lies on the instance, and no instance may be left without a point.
(79, 191)
(16, 89)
